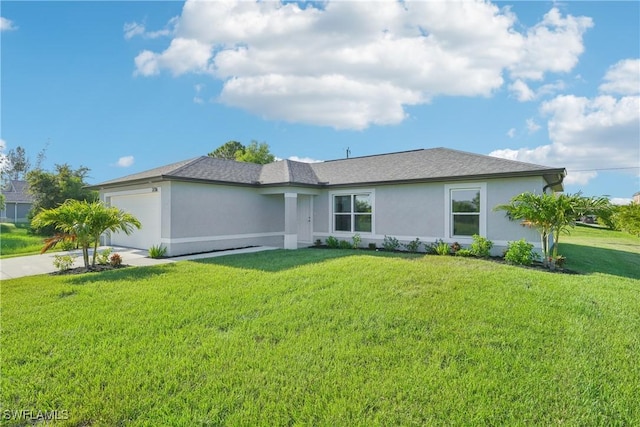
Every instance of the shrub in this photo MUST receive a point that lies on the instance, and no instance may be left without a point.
(372, 246)
(431, 248)
(481, 246)
(413, 246)
(115, 260)
(520, 253)
(357, 241)
(63, 262)
(103, 256)
(442, 248)
(345, 245)
(390, 243)
(68, 245)
(332, 242)
(464, 253)
(157, 251)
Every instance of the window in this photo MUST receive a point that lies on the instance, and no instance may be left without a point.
(465, 210)
(353, 213)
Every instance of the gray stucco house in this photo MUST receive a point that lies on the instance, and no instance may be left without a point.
(18, 202)
(206, 204)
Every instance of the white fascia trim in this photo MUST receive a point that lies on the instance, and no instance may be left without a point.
(483, 206)
(134, 192)
(217, 238)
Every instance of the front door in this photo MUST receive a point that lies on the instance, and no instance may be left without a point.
(305, 222)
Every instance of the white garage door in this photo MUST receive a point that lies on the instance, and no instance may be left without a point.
(146, 208)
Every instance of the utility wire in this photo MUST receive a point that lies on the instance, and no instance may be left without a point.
(602, 169)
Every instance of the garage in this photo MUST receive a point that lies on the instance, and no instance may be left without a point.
(146, 208)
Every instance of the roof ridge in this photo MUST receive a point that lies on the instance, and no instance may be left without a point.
(377, 155)
(186, 164)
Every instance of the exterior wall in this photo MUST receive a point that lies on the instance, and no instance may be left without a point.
(420, 210)
(207, 217)
(15, 212)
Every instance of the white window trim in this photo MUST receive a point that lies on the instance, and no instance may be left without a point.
(350, 192)
(482, 186)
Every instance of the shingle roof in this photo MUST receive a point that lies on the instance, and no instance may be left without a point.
(17, 192)
(407, 166)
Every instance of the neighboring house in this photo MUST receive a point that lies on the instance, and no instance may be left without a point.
(17, 203)
(206, 204)
(636, 198)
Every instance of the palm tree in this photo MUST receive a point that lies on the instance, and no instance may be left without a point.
(552, 214)
(84, 222)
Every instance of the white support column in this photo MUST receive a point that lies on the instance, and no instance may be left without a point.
(290, 220)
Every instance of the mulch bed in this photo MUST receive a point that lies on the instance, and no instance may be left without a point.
(82, 270)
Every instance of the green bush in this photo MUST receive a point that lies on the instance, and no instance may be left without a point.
(413, 246)
(390, 243)
(521, 252)
(464, 253)
(345, 245)
(357, 241)
(68, 245)
(157, 251)
(627, 218)
(103, 256)
(481, 246)
(442, 248)
(63, 262)
(332, 242)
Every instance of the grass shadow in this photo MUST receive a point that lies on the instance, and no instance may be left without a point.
(279, 260)
(589, 259)
(121, 274)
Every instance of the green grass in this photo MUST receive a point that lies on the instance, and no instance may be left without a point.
(592, 250)
(324, 337)
(15, 241)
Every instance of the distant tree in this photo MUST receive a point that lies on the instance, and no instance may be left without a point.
(19, 163)
(51, 189)
(83, 222)
(256, 153)
(627, 218)
(228, 151)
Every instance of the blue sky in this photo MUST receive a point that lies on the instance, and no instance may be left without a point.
(122, 87)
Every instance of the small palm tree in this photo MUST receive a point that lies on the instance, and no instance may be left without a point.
(552, 214)
(84, 222)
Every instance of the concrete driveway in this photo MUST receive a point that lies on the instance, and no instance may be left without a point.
(11, 268)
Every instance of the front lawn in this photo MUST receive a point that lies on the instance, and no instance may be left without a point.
(16, 241)
(591, 250)
(323, 337)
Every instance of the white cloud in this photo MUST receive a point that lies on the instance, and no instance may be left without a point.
(304, 159)
(522, 91)
(620, 201)
(511, 132)
(125, 161)
(623, 78)
(587, 135)
(133, 29)
(353, 64)
(553, 45)
(7, 24)
(532, 126)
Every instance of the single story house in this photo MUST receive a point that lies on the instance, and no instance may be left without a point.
(206, 204)
(17, 202)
